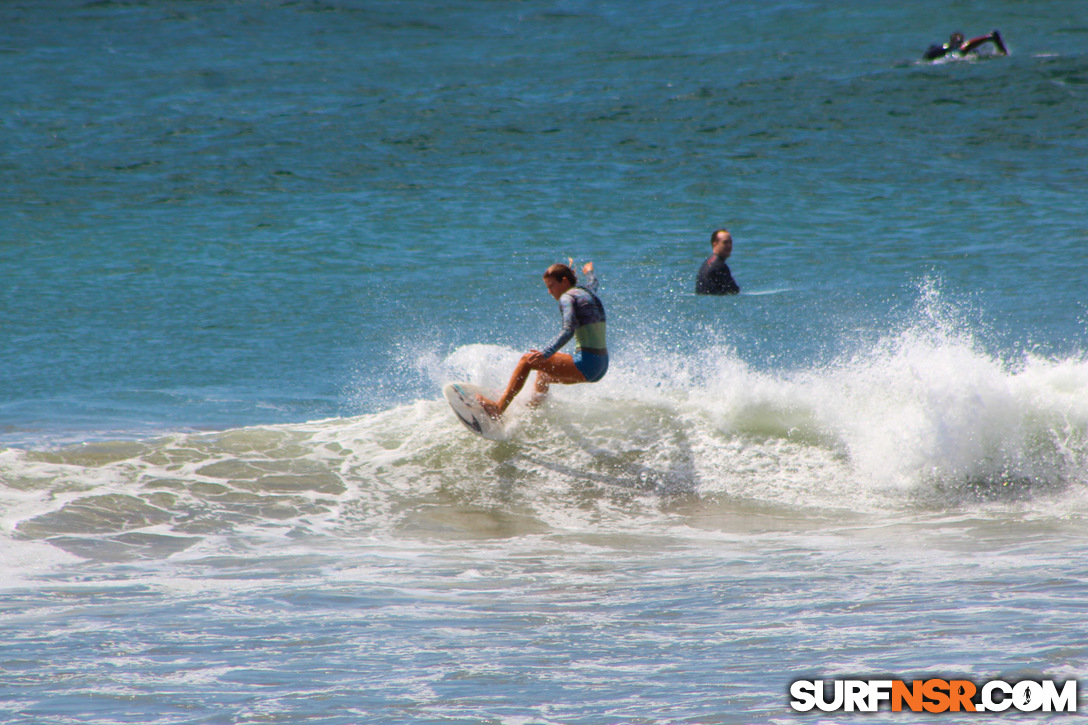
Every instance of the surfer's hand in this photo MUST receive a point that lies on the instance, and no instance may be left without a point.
(534, 357)
(588, 268)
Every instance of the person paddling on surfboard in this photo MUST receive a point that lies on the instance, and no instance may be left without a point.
(584, 320)
(957, 46)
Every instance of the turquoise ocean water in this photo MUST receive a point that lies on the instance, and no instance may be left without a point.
(244, 244)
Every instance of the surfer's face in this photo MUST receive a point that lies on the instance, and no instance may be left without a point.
(556, 287)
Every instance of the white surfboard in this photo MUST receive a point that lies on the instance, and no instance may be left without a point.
(462, 398)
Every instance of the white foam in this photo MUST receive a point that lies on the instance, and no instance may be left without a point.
(23, 562)
(486, 365)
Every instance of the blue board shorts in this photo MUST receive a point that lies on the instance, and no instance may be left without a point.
(591, 364)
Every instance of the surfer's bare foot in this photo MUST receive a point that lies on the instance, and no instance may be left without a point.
(492, 409)
(537, 400)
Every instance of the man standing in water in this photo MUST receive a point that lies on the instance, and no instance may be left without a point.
(714, 276)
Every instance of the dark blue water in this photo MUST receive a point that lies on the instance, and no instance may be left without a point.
(224, 215)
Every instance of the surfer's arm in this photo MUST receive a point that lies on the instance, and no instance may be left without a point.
(592, 283)
(974, 43)
(566, 307)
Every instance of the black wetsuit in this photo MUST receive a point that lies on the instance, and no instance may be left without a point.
(715, 278)
(937, 51)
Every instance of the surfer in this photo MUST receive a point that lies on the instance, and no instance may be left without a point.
(714, 276)
(584, 320)
(957, 46)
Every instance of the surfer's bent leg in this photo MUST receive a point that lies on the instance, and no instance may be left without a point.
(540, 390)
(589, 367)
(559, 368)
(517, 382)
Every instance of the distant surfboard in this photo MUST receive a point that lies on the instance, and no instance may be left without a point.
(462, 398)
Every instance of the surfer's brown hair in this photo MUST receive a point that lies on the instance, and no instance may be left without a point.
(561, 271)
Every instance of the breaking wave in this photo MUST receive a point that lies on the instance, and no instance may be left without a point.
(922, 421)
